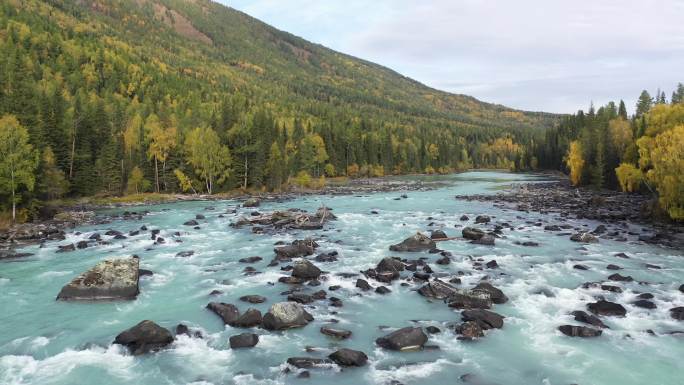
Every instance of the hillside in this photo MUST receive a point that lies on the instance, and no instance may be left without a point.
(101, 83)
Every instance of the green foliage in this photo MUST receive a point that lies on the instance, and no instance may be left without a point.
(209, 158)
(18, 159)
(119, 86)
(136, 182)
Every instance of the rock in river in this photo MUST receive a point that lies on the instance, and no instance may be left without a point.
(485, 318)
(497, 296)
(584, 238)
(244, 340)
(579, 331)
(349, 357)
(144, 337)
(286, 315)
(418, 242)
(677, 313)
(305, 270)
(582, 316)
(469, 330)
(298, 248)
(110, 279)
(336, 333)
(408, 338)
(472, 233)
(607, 308)
(229, 313)
(437, 289)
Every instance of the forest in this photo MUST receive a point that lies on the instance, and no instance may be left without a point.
(607, 148)
(110, 98)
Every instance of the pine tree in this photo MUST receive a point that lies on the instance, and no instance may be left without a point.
(643, 104)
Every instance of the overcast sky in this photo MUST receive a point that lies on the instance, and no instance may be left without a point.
(541, 55)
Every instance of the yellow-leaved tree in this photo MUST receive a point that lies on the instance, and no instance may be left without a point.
(575, 162)
(629, 177)
(666, 159)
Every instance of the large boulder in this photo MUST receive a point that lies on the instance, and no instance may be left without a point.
(111, 279)
(497, 296)
(389, 264)
(286, 315)
(418, 242)
(584, 238)
(305, 270)
(607, 308)
(248, 319)
(437, 289)
(408, 338)
(484, 318)
(244, 340)
(229, 313)
(144, 337)
(579, 331)
(472, 233)
(349, 357)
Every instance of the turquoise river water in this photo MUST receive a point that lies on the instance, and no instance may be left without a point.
(44, 341)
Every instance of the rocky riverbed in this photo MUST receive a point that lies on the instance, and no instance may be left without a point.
(395, 287)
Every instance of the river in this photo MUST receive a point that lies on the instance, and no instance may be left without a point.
(44, 341)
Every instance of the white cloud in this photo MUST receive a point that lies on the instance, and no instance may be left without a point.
(550, 55)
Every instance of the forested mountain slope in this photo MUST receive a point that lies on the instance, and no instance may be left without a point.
(138, 95)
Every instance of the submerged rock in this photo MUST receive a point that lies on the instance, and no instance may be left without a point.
(111, 279)
(286, 315)
(584, 238)
(486, 239)
(408, 338)
(244, 340)
(253, 298)
(418, 242)
(349, 357)
(579, 331)
(336, 333)
(144, 337)
(307, 362)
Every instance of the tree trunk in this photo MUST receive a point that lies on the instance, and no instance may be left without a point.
(156, 174)
(244, 186)
(14, 201)
(166, 187)
(73, 154)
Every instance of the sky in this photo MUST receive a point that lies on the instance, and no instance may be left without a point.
(537, 55)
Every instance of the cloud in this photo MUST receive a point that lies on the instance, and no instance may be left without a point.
(549, 55)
